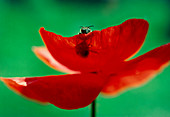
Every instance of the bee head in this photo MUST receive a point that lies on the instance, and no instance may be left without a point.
(85, 29)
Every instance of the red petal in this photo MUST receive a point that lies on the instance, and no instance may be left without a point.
(126, 39)
(63, 50)
(43, 54)
(64, 91)
(138, 71)
(107, 46)
(18, 85)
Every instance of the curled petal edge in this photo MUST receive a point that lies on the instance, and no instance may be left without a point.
(44, 55)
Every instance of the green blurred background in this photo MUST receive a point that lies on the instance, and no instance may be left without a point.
(20, 21)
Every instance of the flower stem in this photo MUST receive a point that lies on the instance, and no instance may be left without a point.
(93, 109)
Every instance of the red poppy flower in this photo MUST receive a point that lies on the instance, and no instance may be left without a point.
(96, 62)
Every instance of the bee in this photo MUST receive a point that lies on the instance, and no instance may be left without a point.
(85, 30)
(82, 49)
